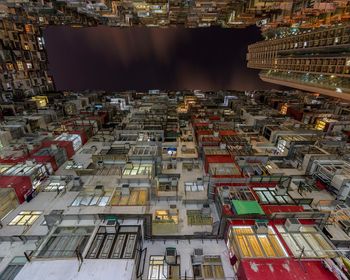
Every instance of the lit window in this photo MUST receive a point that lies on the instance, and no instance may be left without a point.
(29, 65)
(71, 165)
(25, 218)
(9, 66)
(20, 65)
(28, 28)
(26, 47)
(40, 43)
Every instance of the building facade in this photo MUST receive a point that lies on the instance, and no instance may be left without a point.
(316, 60)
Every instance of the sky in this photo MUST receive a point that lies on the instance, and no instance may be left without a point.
(141, 58)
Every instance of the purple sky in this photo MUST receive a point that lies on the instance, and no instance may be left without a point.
(143, 58)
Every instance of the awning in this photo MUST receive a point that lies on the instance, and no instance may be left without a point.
(242, 207)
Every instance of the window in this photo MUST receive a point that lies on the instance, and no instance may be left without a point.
(252, 245)
(40, 43)
(212, 268)
(110, 244)
(193, 187)
(270, 196)
(20, 65)
(307, 242)
(158, 269)
(71, 165)
(91, 199)
(55, 186)
(28, 28)
(137, 169)
(29, 65)
(9, 66)
(25, 218)
(65, 241)
(13, 268)
(75, 138)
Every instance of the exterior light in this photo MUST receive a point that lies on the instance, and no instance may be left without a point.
(339, 90)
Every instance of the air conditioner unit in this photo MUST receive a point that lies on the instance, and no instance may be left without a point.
(225, 192)
(292, 224)
(171, 255)
(222, 146)
(30, 162)
(198, 256)
(109, 223)
(281, 190)
(125, 190)
(261, 228)
(206, 211)
(77, 182)
(128, 165)
(99, 189)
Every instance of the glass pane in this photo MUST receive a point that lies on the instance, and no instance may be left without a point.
(104, 200)
(244, 246)
(324, 244)
(32, 219)
(86, 200)
(280, 199)
(288, 199)
(303, 244)
(207, 271)
(24, 220)
(315, 245)
(76, 202)
(277, 246)
(262, 197)
(292, 245)
(219, 272)
(270, 197)
(254, 244)
(264, 241)
(19, 260)
(94, 200)
(307, 229)
(280, 228)
(16, 220)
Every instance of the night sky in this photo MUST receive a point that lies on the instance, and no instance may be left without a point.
(141, 58)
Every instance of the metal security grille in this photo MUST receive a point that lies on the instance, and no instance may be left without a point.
(114, 243)
(13, 268)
